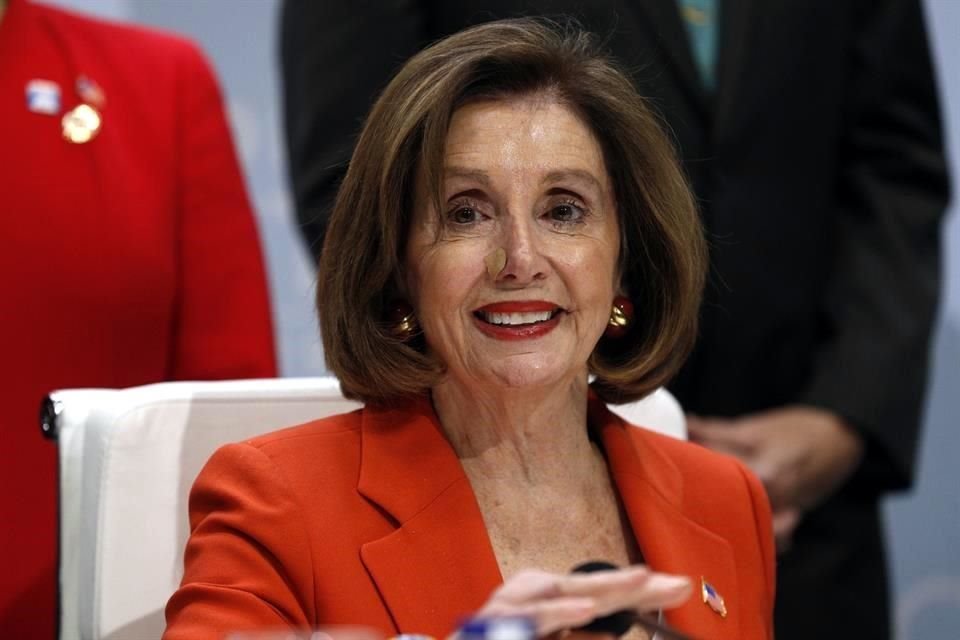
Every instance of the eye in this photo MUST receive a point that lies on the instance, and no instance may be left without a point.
(463, 215)
(566, 213)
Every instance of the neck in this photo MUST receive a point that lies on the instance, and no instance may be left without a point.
(518, 435)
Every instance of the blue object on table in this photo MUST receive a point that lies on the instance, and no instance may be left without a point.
(498, 629)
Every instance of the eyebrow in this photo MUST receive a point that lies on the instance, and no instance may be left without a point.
(579, 174)
(472, 174)
(558, 175)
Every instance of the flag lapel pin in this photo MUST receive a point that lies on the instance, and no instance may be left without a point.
(43, 96)
(712, 598)
(89, 91)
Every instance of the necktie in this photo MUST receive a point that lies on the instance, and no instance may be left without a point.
(700, 19)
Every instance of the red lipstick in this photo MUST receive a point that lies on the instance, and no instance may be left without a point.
(525, 331)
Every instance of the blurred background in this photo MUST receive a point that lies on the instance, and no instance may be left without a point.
(240, 38)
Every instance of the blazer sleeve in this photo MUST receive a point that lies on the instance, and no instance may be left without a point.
(880, 305)
(223, 327)
(248, 560)
(335, 59)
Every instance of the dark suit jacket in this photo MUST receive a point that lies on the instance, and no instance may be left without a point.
(132, 258)
(368, 518)
(819, 169)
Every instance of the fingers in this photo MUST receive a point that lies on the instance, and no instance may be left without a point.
(557, 601)
(548, 615)
(636, 588)
(725, 436)
(769, 470)
(759, 443)
(785, 521)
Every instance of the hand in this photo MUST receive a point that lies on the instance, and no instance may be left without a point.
(784, 523)
(561, 601)
(801, 454)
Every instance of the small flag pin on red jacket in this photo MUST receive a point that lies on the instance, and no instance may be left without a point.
(712, 598)
(90, 91)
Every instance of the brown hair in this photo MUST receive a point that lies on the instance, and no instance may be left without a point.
(662, 255)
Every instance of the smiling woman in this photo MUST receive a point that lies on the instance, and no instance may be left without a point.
(510, 203)
(420, 156)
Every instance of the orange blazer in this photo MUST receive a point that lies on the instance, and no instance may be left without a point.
(368, 518)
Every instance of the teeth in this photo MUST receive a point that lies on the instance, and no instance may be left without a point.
(529, 317)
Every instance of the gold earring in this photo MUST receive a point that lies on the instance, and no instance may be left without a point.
(402, 320)
(621, 317)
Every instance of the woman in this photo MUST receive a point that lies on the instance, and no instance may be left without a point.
(130, 253)
(510, 202)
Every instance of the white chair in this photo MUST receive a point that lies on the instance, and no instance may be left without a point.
(659, 411)
(127, 461)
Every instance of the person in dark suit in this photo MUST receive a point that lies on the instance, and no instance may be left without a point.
(130, 252)
(811, 133)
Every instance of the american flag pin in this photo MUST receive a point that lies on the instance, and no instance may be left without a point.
(712, 598)
(43, 96)
(90, 91)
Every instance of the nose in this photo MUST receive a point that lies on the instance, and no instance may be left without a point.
(525, 258)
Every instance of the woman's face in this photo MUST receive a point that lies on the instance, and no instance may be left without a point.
(513, 281)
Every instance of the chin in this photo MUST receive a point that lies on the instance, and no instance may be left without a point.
(525, 371)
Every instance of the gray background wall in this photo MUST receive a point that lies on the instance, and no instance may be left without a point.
(240, 37)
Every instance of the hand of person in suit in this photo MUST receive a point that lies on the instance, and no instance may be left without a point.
(800, 453)
(562, 601)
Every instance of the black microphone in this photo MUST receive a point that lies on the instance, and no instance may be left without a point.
(616, 623)
(619, 622)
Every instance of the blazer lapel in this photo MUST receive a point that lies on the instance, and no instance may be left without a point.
(736, 26)
(651, 488)
(439, 562)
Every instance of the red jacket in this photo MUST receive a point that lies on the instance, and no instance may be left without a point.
(129, 259)
(368, 518)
